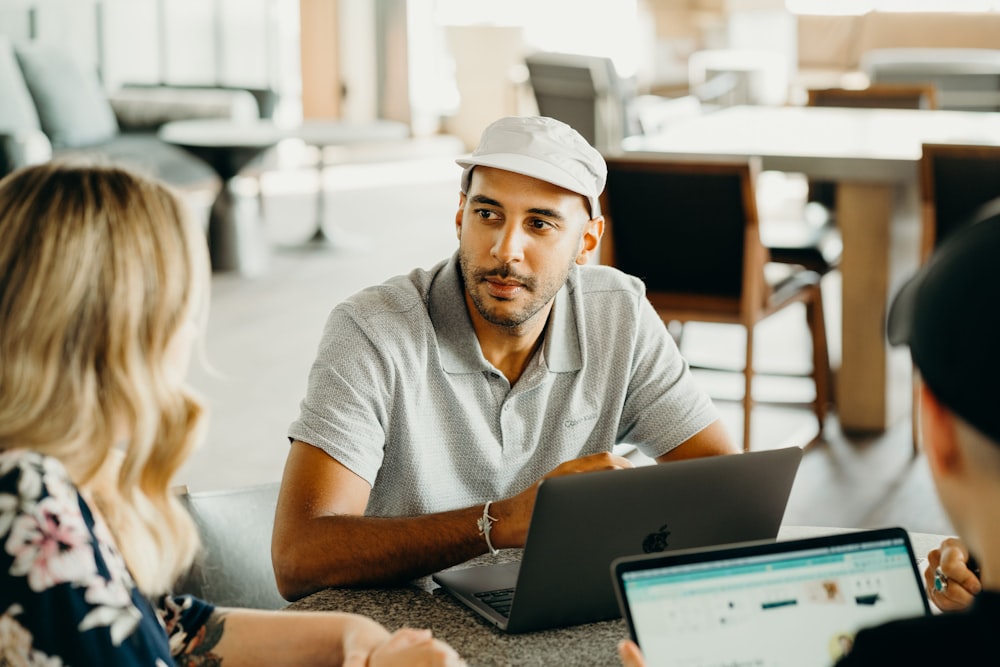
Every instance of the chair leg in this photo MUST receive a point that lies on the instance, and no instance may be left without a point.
(821, 356)
(747, 392)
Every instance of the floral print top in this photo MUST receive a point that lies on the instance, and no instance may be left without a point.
(66, 596)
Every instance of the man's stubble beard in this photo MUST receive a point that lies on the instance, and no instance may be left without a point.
(474, 278)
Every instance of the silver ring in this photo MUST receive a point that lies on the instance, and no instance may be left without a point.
(940, 580)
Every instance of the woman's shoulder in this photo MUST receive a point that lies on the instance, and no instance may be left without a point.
(26, 478)
(65, 592)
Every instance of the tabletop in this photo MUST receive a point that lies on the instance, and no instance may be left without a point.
(422, 604)
(337, 132)
(828, 142)
(219, 132)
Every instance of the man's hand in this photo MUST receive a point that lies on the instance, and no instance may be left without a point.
(960, 584)
(514, 514)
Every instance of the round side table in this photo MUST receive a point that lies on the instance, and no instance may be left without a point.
(236, 238)
(322, 134)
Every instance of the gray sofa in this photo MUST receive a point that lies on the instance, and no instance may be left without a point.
(51, 107)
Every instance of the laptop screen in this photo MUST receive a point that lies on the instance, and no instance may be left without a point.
(787, 603)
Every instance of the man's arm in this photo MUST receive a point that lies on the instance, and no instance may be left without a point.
(322, 538)
(709, 441)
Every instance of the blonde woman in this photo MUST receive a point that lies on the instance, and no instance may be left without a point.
(103, 285)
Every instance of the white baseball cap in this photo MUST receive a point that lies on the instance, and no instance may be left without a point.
(542, 148)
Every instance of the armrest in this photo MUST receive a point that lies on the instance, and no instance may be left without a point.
(144, 108)
(23, 148)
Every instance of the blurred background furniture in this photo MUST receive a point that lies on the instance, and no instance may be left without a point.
(234, 567)
(586, 93)
(327, 134)
(872, 154)
(689, 230)
(725, 77)
(830, 47)
(877, 96)
(959, 185)
(236, 238)
(50, 107)
(812, 239)
(956, 180)
(966, 79)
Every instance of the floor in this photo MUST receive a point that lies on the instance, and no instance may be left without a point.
(384, 218)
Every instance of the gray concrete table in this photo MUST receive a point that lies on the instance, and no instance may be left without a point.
(236, 237)
(423, 605)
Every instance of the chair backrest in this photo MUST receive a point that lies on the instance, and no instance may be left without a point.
(585, 92)
(877, 96)
(956, 180)
(689, 230)
(234, 567)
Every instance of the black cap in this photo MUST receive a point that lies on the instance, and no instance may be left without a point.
(949, 315)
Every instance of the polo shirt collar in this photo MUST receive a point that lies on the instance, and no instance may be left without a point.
(457, 342)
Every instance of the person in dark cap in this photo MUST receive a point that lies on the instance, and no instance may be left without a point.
(438, 400)
(949, 315)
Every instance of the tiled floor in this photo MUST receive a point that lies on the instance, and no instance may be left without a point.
(396, 216)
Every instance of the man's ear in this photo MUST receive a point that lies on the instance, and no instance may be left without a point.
(939, 438)
(593, 230)
(458, 215)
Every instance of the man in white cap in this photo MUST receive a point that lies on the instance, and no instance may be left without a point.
(440, 399)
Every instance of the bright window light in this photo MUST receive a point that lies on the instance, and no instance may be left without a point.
(863, 6)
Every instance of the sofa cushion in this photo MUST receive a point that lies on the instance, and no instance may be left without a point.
(72, 107)
(146, 154)
(17, 110)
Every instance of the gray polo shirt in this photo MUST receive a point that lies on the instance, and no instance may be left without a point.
(401, 394)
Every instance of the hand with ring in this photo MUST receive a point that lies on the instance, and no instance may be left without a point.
(951, 584)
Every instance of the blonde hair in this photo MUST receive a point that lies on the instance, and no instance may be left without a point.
(100, 270)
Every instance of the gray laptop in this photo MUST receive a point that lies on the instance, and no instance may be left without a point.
(798, 602)
(581, 523)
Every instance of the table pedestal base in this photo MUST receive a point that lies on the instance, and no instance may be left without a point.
(237, 239)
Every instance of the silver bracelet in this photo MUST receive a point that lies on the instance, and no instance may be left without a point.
(485, 524)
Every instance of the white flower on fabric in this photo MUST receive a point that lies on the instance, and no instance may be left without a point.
(16, 644)
(169, 612)
(8, 510)
(50, 545)
(113, 609)
(29, 485)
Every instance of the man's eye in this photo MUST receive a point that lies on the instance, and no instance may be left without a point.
(485, 214)
(538, 224)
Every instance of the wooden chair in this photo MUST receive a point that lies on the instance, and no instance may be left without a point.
(234, 567)
(689, 230)
(876, 96)
(957, 183)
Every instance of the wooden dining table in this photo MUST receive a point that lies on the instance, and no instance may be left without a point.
(873, 155)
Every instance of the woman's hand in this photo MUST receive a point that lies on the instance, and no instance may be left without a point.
(411, 648)
(951, 584)
(630, 654)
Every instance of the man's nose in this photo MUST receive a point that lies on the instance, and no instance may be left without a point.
(509, 244)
